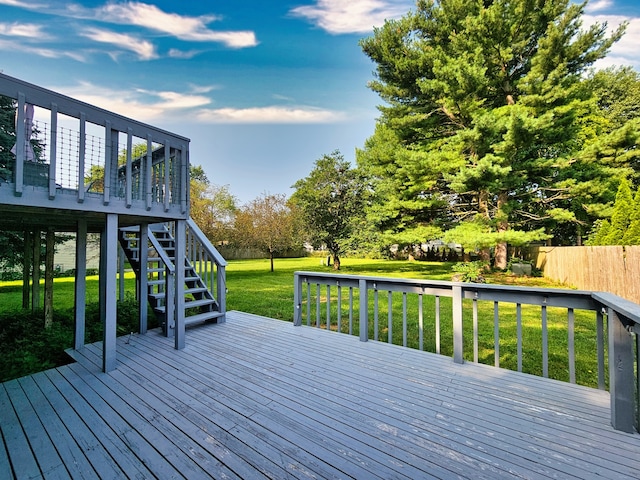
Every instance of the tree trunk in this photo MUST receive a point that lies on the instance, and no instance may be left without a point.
(35, 262)
(48, 278)
(336, 262)
(271, 259)
(483, 209)
(26, 270)
(501, 252)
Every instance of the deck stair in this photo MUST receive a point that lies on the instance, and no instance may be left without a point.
(200, 303)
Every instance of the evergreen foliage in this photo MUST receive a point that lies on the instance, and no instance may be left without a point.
(624, 227)
(485, 118)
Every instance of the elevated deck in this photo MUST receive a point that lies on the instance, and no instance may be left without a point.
(73, 160)
(260, 398)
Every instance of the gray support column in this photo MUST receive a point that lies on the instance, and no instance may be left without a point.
(364, 311)
(458, 347)
(80, 297)
(180, 242)
(108, 252)
(143, 278)
(621, 381)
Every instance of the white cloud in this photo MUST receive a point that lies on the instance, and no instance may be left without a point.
(598, 5)
(272, 114)
(28, 30)
(143, 105)
(625, 51)
(144, 49)
(353, 16)
(185, 28)
(21, 4)
(184, 54)
(8, 45)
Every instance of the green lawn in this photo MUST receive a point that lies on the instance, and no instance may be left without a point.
(253, 288)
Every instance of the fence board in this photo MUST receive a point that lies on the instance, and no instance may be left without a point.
(614, 269)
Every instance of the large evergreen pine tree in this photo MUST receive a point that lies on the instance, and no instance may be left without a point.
(481, 121)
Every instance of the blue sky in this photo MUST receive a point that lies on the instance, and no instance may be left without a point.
(261, 87)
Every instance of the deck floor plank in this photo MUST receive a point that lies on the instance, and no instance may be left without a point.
(121, 452)
(259, 398)
(23, 461)
(86, 440)
(543, 452)
(551, 436)
(206, 406)
(71, 456)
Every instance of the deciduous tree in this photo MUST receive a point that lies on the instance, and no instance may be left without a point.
(331, 199)
(268, 223)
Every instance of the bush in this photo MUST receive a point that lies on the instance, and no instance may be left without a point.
(27, 347)
(470, 272)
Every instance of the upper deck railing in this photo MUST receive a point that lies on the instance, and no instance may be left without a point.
(72, 155)
(503, 325)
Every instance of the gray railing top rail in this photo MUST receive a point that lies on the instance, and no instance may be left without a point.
(163, 254)
(41, 97)
(579, 299)
(219, 259)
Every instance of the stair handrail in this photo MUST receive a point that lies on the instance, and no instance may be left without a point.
(211, 250)
(163, 254)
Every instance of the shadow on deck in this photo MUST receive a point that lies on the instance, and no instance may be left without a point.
(260, 398)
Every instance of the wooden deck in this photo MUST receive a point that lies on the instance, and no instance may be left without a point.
(260, 398)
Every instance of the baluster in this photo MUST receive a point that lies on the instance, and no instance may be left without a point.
(572, 351)
(308, 303)
(437, 321)
(496, 335)
(404, 319)
(375, 313)
(328, 307)
(339, 306)
(148, 164)
(475, 329)
(519, 334)
(128, 169)
(21, 139)
(350, 310)
(600, 348)
(420, 322)
(545, 342)
(390, 318)
(317, 305)
(53, 154)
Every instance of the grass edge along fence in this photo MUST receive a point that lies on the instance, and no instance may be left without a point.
(464, 320)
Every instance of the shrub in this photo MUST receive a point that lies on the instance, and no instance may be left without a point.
(470, 272)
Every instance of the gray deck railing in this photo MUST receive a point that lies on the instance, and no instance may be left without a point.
(208, 263)
(76, 157)
(446, 318)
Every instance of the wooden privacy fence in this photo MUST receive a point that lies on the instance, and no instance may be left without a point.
(614, 269)
(455, 316)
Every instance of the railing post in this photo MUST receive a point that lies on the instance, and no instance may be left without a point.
(20, 144)
(364, 310)
(621, 381)
(180, 238)
(297, 300)
(222, 292)
(458, 349)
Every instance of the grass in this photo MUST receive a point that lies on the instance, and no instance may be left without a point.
(253, 288)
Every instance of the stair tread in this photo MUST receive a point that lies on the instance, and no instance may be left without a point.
(202, 317)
